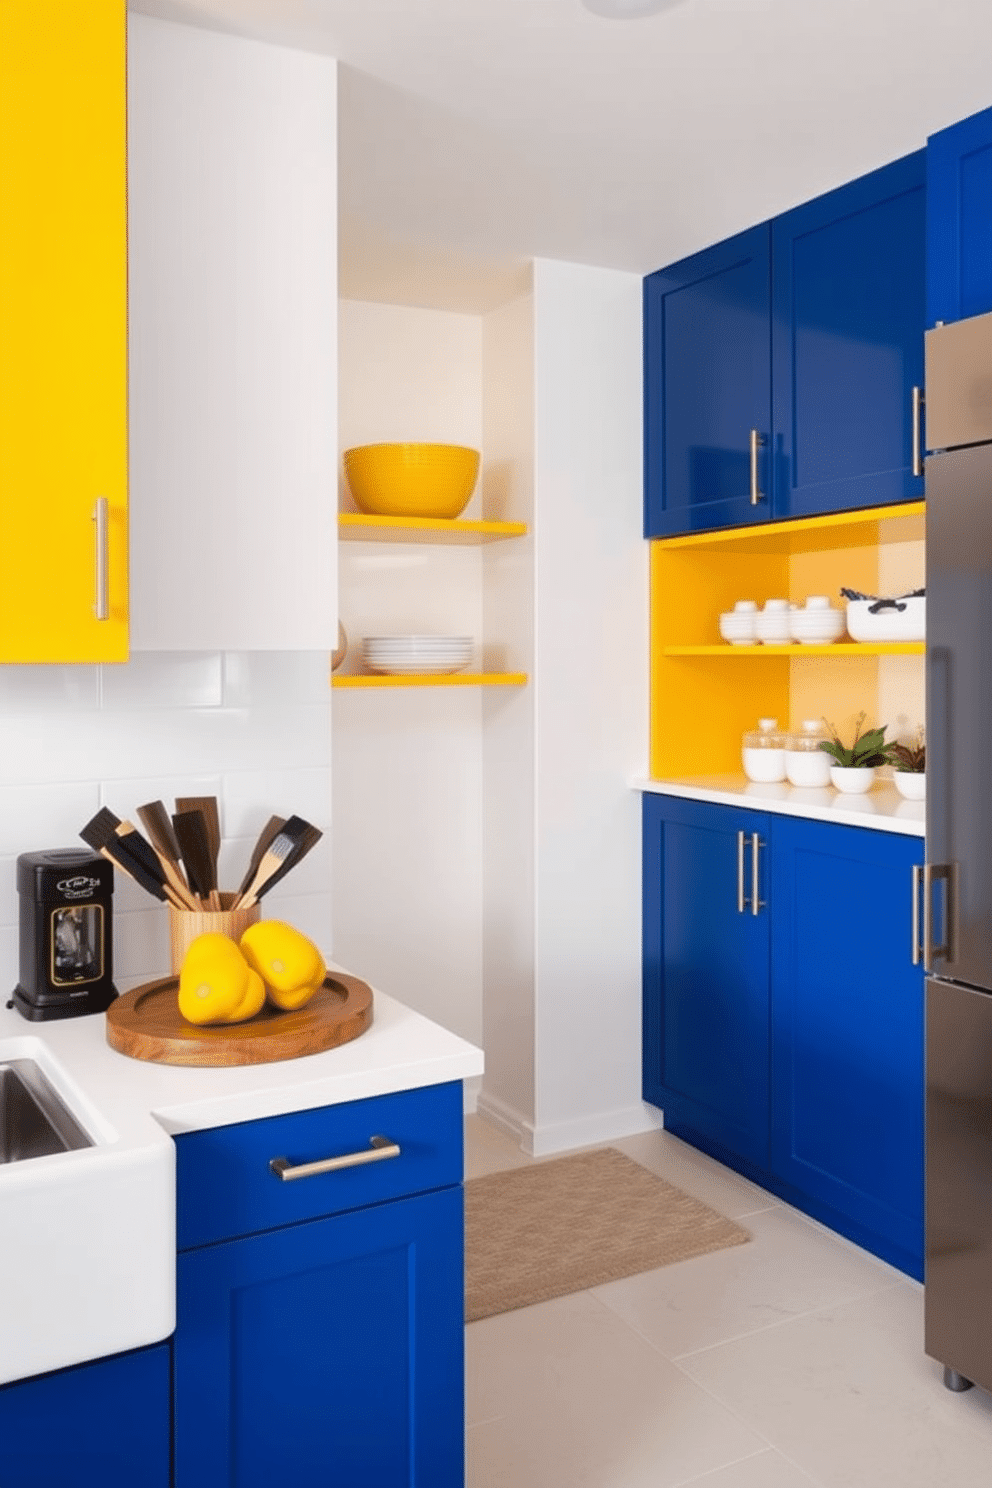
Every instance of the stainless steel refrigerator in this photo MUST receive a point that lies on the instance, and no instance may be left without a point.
(957, 893)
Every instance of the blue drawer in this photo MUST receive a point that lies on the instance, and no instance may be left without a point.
(226, 1187)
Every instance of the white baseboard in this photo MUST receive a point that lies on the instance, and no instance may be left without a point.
(564, 1136)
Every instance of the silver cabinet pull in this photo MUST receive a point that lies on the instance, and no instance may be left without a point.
(756, 902)
(947, 949)
(740, 872)
(101, 606)
(917, 431)
(757, 440)
(378, 1150)
(917, 874)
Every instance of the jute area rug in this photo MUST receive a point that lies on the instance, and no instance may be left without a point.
(570, 1223)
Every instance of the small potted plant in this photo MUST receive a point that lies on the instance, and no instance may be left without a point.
(909, 761)
(853, 770)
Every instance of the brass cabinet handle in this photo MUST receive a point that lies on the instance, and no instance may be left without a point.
(378, 1150)
(757, 440)
(756, 846)
(918, 401)
(101, 607)
(740, 872)
(917, 873)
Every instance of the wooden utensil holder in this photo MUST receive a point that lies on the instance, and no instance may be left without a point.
(186, 924)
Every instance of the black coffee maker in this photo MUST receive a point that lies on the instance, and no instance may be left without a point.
(66, 934)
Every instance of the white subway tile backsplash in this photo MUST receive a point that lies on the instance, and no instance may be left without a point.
(45, 815)
(165, 679)
(252, 796)
(253, 730)
(141, 942)
(252, 678)
(48, 689)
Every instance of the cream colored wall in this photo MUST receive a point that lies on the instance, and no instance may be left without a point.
(407, 762)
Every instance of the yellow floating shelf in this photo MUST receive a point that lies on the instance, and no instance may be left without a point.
(867, 527)
(452, 679)
(356, 527)
(833, 648)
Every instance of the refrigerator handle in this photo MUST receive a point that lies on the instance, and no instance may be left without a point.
(917, 874)
(946, 950)
(918, 401)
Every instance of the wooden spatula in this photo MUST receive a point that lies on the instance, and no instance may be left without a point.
(191, 831)
(265, 837)
(155, 820)
(209, 810)
(103, 835)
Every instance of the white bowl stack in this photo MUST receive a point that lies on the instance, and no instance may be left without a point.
(417, 655)
(818, 623)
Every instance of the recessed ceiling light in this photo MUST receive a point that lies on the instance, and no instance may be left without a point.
(629, 10)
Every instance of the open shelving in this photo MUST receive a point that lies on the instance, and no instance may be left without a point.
(419, 679)
(705, 692)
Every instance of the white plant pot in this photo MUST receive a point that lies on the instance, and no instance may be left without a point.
(852, 781)
(911, 785)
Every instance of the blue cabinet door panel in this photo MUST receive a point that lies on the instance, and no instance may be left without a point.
(959, 220)
(99, 1425)
(707, 384)
(848, 280)
(706, 983)
(847, 1026)
(327, 1352)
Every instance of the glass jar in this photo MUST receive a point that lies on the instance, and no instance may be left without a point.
(763, 752)
(806, 764)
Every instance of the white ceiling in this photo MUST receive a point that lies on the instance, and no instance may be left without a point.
(476, 135)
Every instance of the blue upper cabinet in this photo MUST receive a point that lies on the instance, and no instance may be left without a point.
(959, 220)
(848, 299)
(779, 366)
(707, 388)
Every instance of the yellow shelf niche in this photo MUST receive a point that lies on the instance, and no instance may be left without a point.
(420, 679)
(701, 705)
(356, 527)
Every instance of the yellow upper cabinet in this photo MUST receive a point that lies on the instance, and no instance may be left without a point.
(63, 331)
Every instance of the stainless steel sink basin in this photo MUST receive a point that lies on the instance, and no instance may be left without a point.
(34, 1121)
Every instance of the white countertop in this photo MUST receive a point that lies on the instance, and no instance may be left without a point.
(94, 1230)
(882, 809)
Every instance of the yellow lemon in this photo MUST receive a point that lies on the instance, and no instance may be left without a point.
(290, 965)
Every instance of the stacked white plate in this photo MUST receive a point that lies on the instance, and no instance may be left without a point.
(417, 655)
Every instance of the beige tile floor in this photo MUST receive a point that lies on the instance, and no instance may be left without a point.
(795, 1361)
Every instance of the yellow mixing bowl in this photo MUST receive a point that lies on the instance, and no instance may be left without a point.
(411, 480)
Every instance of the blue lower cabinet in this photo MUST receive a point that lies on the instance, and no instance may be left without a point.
(706, 972)
(847, 1030)
(325, 1342)
(99, 1425)
(783, 1017)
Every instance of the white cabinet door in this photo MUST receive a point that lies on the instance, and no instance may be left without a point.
(232, 205)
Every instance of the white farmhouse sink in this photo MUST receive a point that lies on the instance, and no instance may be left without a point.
(82, 1215)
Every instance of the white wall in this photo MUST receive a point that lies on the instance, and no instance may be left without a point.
(407, 849)
(251, 728)
(562, 886)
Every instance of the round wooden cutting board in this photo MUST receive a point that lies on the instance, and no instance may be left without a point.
(147, 1024)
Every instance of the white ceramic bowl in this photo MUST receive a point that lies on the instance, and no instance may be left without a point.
(737, 627)
(850, 781)
(809, 768)
(909, 624)
(764, 765)
(816, 627)
(773, 626)
(911, 785)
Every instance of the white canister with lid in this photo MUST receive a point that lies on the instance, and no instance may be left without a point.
(763, 752)
(806, 764)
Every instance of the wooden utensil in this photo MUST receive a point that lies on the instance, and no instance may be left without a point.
(191, 831)
(101, 833)
(282, 848)
(305, 838)
(155, 820)
(265, 837)
(208, 808)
